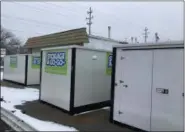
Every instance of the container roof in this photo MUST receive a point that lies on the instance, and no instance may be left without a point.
(74, 46)
(23, 54)
(169, 44)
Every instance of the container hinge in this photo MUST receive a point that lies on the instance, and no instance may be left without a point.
(121, 81)
(183, 94)
(119, 112)
(122, 58)
(115, 84)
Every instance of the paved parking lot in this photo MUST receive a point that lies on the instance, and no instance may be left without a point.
(93, 121)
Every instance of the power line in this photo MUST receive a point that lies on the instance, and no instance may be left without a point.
(59, 6)
(16, 30)
(89, 23)
(30, 20)
(58, 13)
(40, 9)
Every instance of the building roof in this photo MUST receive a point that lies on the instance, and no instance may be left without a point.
(106, 39)
(75, 36)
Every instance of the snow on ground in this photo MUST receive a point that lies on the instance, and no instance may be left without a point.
(14, 97)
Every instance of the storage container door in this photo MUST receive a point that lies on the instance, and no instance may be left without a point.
(167, 99)
(134, 88)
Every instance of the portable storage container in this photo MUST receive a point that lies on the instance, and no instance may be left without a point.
(22, 68)
(147, 86)
(75, 78)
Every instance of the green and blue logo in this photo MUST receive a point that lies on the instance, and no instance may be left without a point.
(109, 63)
(56, 62)
(13, 61)
(35, 62)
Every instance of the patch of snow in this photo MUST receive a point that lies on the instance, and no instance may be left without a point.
(105, 108)
(14, 97)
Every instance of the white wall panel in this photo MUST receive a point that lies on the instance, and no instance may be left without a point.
(167, 109)
(148, 71)
(33, 76)
(15, 74)
(134, 101)
(92, 84)
(55, 88)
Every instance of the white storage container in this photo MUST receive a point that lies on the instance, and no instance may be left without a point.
(76, 79)
(22, 68)
(147, 86)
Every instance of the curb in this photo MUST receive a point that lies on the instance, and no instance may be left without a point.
(14, 122)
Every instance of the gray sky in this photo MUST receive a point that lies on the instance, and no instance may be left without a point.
(28, 19)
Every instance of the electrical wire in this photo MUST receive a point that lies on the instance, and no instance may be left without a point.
(16, 30)
(40, 9)
(30, 20)
(116, 18)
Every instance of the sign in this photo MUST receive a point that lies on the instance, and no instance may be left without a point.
(35, 62)
(109, 63)
(3, 52)
(13, 61)
(56, 62)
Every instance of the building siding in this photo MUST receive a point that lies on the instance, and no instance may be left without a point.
(100, 44)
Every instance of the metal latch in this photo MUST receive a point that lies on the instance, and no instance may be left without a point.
(115, 84)
(125, 86)
(162, 90)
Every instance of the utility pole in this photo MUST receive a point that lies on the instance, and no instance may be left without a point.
(135, 40)
(89, 19)
(145, 34)
(132, 39)
(156, 37)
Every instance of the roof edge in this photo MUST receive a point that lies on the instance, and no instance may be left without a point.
(58, 32)
(106, 39)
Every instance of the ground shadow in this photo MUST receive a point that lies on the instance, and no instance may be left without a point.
(93, 121)
(9, 84)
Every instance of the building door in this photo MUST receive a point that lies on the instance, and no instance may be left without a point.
(132, 104)
(167, 98)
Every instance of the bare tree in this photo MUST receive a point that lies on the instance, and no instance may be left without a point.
(5, 36)
(9, 42)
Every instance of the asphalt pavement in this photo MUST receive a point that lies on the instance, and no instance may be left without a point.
(4, 127)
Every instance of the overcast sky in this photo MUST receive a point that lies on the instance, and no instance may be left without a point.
(28, 19)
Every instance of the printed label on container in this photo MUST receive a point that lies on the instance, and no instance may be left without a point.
(109, 63)
(35, 62)
(13, 61)
(56, 62)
